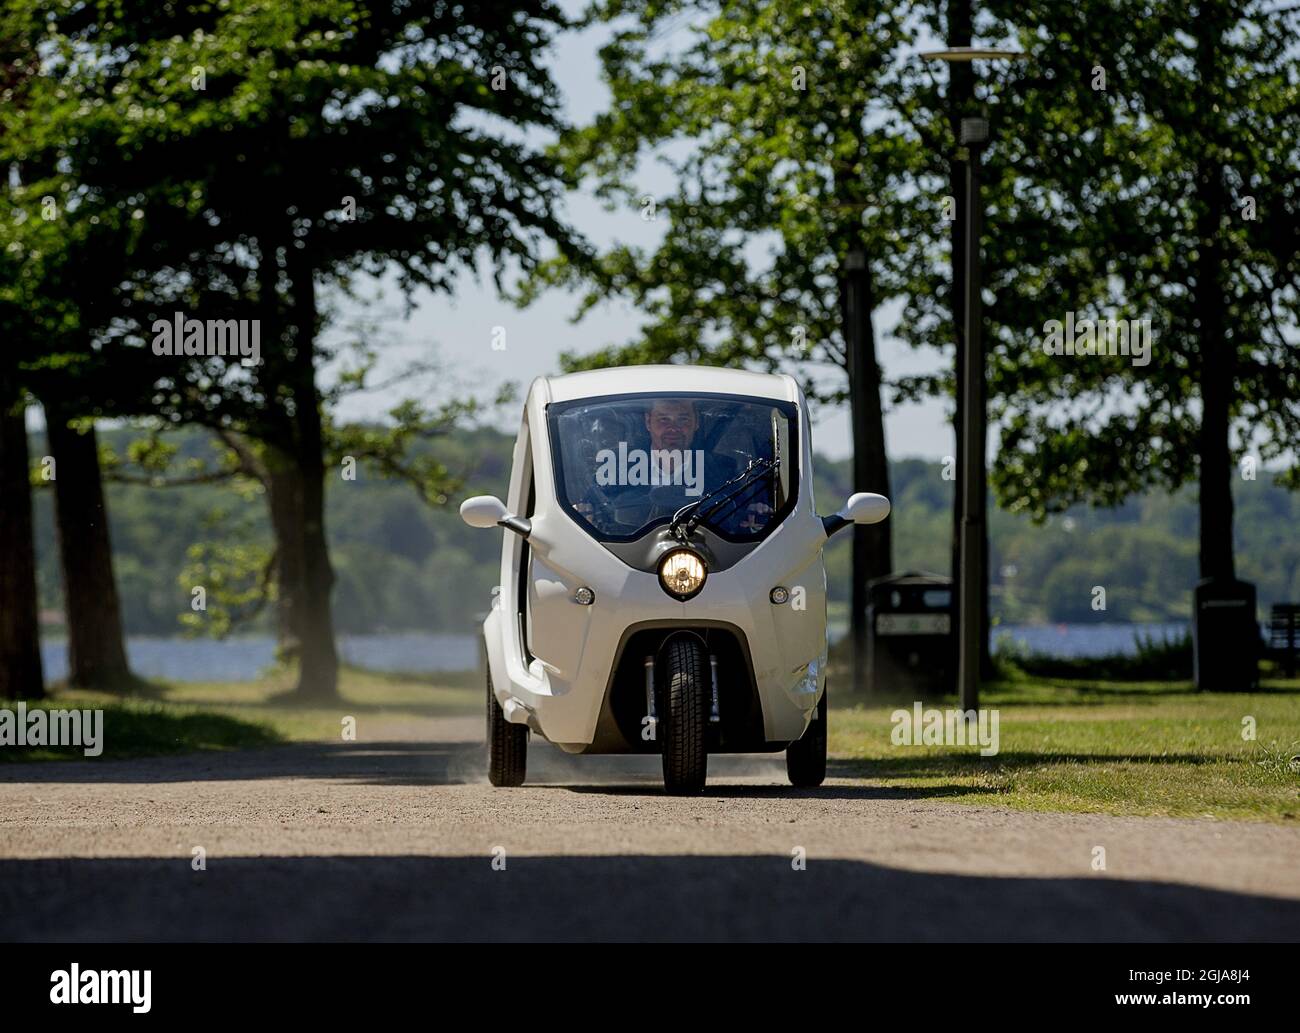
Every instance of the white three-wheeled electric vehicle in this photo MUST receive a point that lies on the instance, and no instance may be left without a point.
(662, 587)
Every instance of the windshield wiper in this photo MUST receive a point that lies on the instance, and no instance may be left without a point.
(681, 527)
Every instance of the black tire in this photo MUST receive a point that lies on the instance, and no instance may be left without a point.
(507, 745)
(684, 715)
(805, 759)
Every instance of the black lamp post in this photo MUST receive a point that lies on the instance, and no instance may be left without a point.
(972, 488)
(974, 432)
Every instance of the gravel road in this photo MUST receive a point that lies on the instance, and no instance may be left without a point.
(403, 839)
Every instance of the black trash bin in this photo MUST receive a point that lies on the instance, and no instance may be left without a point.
(1225, 636)
(911, 641)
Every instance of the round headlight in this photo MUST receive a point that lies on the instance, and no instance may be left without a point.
(682, 573)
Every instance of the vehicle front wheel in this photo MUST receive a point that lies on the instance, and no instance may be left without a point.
(685, 715)
(507, 745)
(805, 759)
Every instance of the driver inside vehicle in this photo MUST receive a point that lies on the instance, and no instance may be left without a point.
(638, 488)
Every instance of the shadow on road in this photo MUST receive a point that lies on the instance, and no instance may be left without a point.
(717, 789)
(381, 763)
(601, 898)
(454, 763)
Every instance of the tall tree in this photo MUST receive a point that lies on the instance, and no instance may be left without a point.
(1168, 195)
(53, 272)
(270, 151)
(96, 647)
(21, 673)
(21, 676)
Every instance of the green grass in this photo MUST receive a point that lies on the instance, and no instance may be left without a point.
(141, 728)
(1097, 747)
(157, 718)
(235, 715)
(365, 695)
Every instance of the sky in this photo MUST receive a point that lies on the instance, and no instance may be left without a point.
(458, 330)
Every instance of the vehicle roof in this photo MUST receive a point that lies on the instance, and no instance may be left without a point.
(637, 379)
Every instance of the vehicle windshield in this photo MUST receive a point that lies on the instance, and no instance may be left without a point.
(627, 464)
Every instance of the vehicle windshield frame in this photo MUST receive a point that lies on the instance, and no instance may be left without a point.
(792, 462)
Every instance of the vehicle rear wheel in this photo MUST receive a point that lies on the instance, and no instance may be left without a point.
(805, 759)
(507, 745)
(685, 715)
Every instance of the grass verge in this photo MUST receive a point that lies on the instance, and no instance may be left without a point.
(158, 718)
(140, 728)
(1097, 747)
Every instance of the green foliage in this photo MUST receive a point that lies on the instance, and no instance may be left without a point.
(224, 158)
(389, 449)
(236, 579)
(1170, 195)
(760, 116)
(1142, 552)
(403, 565)
(1128, 201)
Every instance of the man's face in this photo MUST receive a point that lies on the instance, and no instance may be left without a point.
(671, 424)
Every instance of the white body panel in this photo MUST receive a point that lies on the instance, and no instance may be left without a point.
(559, 694)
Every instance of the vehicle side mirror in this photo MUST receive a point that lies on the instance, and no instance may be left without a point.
(863, 507)
(490, 511)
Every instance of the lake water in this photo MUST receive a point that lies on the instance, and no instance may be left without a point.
(1072, 640)
(243, 659)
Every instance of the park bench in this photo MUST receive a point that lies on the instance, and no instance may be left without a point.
(1284, 635)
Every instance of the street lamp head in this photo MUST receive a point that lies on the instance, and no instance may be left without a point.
(974, 131)
(960, 54)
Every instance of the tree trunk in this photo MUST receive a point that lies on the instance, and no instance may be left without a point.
(96, 650)
(304, 615)
(318, 658)
(872, 543)
(21, 676)
(1210, 301)
(1216, 509)
(284, 493)
(318, 663)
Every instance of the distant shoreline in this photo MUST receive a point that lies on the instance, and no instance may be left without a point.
(246, 657)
